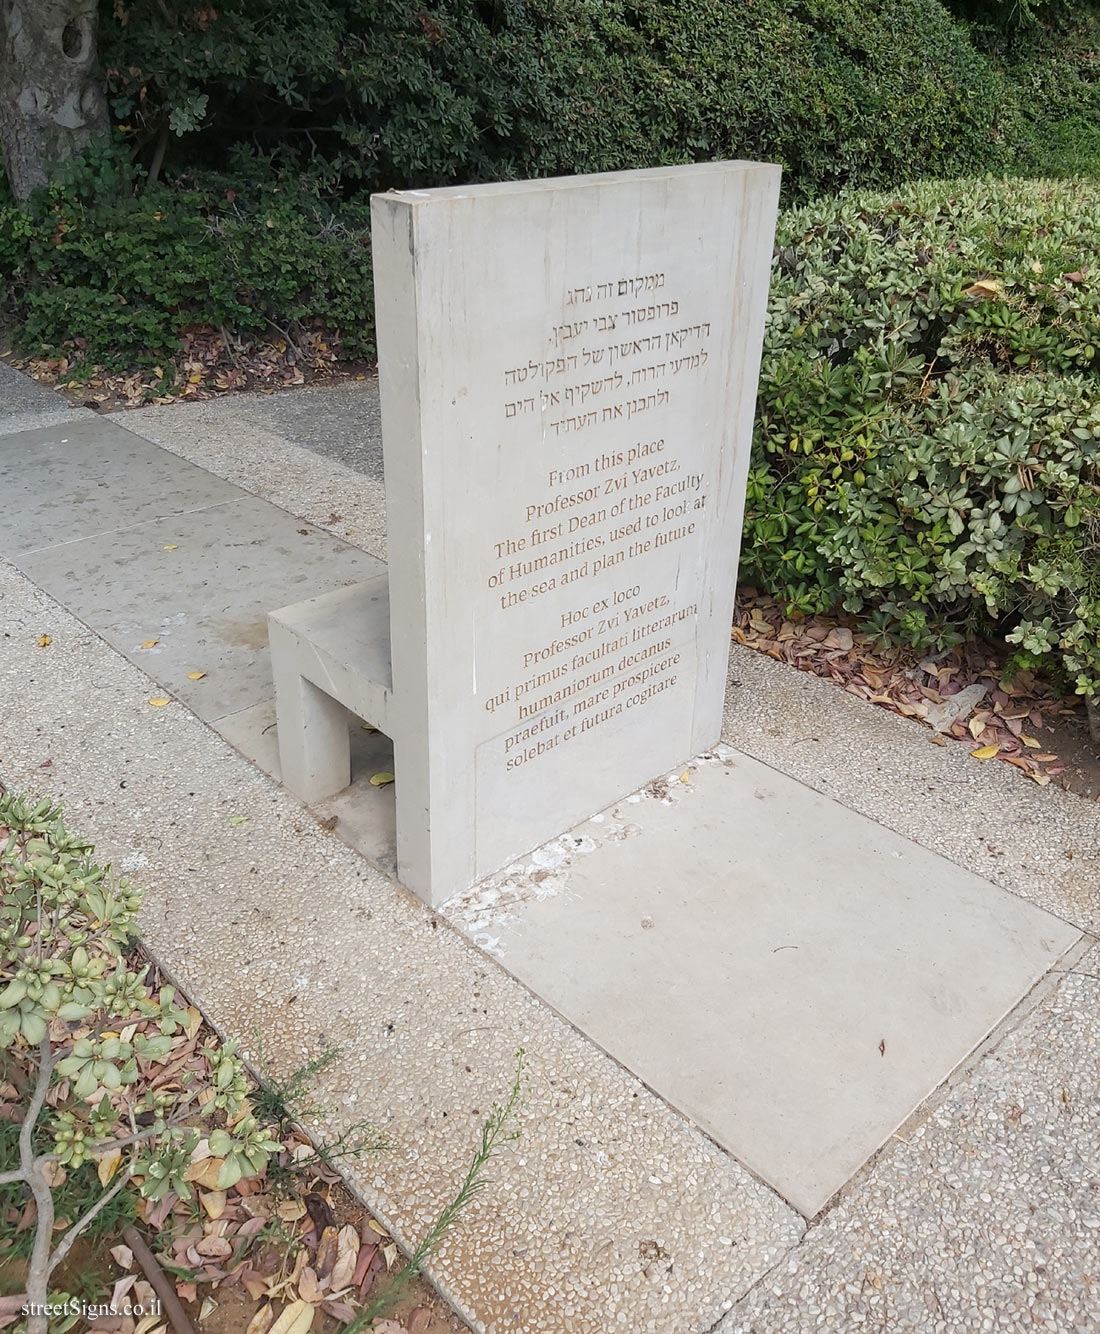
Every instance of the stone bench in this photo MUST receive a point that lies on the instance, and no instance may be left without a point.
(568, 372)
(328, 652)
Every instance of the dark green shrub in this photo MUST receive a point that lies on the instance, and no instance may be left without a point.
(399, 93)
(928, 443)
(303, 108)
(1050, 54)
(121, 274)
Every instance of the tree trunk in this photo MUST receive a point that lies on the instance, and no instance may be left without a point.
(50, 102)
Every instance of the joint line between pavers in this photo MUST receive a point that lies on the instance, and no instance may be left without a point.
(16, 557)
(232, 713)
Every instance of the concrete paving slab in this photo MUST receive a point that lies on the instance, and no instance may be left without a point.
(364, 814)
(790, 974)
(63, 483)
(341, 421)
(984, 1217)
(1039, 842)
(201, 585)
(239, 438)
(609, 1214)
(16, 423)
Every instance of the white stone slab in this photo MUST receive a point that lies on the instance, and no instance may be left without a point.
(198, 584)
(568, 371)
(88, 477)
(791, 975)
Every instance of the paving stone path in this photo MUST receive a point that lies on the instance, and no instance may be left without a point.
(183, 525)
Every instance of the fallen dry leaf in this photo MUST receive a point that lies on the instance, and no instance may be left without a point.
(214, 1248)
(123, 1256)
(309, 1287)
(985, 288)
(159, 701)
(195, 676)
(107, 1166)
(149, 643)
(213, 1201)
(296, 1319)
(419, 1320)
(262, 1321)
(985, 753)
(204, 1172)
(326, 1252)
(343, 1271)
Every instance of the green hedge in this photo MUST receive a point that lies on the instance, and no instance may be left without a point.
(1052, 60)
(426, 92)
(278, 120)
(927, 452)
(118, 274)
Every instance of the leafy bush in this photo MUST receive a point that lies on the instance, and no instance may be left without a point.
(928, 443)
(122, 273)
(79, 1027)
(407, 93)
(1052, 58)
(297, 111)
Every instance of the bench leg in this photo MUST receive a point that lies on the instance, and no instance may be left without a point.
(314, 741)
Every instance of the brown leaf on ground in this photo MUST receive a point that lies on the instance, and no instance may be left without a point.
(912, 685)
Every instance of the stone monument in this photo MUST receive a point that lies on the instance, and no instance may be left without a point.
(568, 374)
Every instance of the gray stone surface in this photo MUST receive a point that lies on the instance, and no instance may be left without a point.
(793, 976)
(610, 1213)
(205, 600)
(145, 546)
(238, 438)
(985, 1217)
(341, 421)
(1040, 842)
(18, 422)
(330, 654)
(365, 813)
(88, 478)
(567, 417)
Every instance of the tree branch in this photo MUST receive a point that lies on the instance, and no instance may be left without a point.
(158, 156)
(162, 1286)
(33, 1170)
(65, 1245)
(34, 1107)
